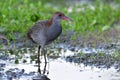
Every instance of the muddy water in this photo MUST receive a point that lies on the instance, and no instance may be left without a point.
(58, 69)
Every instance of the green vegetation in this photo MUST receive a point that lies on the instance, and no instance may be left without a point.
(17, 16)
(94, 23)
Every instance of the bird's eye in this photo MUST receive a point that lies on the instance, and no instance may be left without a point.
(60, 15)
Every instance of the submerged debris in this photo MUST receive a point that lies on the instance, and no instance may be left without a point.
(100, 60)
(13, 73)
(40, 77)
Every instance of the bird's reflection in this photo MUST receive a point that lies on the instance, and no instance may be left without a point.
(42, 73)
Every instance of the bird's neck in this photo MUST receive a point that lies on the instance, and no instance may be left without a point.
(54, 22)
(54, 30)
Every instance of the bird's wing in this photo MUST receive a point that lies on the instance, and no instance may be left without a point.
(37, 27)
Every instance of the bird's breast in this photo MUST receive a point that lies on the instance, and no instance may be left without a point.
(53, 32)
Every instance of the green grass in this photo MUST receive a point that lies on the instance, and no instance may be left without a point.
(17, 16)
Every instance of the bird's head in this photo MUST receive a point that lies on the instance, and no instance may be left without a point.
(60, 16)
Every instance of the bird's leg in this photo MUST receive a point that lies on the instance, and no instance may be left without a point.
(39, 70)
(45, 56)
(44, 52)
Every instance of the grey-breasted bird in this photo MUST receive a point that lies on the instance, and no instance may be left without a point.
(46, 31)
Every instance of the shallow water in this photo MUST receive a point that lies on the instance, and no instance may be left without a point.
(58, 69)
(61, 70)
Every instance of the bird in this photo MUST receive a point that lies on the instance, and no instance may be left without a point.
(45, 32)
(5, 40)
